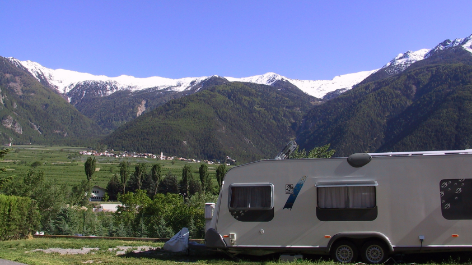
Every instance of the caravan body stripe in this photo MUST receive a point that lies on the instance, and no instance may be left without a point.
(291, 199)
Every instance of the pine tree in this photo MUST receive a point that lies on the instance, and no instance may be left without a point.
(114, 187)
(162, 230)
(142, 229)
(121, 230)
(169, 184)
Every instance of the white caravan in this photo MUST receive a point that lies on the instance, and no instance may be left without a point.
(368, 205)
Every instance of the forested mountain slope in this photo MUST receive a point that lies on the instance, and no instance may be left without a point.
(242, 120)
(113, 101)
(122, 106)
(426, 107)
(33, 113)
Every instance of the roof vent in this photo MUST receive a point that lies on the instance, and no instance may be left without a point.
(359, 159)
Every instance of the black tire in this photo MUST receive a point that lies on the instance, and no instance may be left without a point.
(344, 251)
(374, 252)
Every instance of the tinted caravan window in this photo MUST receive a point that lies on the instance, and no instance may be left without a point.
(346, 197)
(346, 202)
(251, 197)
(456, 198)
(251, 202)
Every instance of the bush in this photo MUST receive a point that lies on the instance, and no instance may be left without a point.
(36, 164)
(19, 217)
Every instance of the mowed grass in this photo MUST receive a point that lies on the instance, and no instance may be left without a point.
(65, 165)
(28, 252)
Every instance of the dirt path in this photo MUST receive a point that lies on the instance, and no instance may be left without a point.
(9, 262)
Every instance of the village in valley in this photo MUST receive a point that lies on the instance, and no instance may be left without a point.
(124, 154)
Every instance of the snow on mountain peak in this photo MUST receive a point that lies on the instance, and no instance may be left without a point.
(319, 88)
(404, 60)
(265, 79)
(465, 43)
(65, 80)
(316, 88)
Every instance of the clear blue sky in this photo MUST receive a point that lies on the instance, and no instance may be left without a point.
(295, 38)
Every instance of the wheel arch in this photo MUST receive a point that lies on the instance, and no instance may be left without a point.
(359, 238)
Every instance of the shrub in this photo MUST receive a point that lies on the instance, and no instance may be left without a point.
(36, 164)
(19, 217)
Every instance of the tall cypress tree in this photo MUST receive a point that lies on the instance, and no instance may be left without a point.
(203, 172)
(139, 174)
(220, 174)
(186, 178)
(124, 174)
(156, 176)
(90, 166)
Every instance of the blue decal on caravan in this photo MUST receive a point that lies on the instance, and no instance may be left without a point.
(291, 199)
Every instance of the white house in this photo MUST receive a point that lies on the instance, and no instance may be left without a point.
(97, 193)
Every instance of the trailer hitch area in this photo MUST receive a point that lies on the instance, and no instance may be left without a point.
(214, 239)
(232, 238)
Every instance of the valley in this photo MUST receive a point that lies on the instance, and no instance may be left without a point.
(417, 101)
(64, 165)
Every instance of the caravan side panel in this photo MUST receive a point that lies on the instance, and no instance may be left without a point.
(408, 203)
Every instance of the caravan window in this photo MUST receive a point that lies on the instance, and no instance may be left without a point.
(456, 198)
(346, 201)
(251, 202)
(346, 197)
(251, 196)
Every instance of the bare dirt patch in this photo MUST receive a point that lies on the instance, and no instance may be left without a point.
(120, 250)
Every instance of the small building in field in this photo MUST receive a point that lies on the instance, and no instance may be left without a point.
(97, 194)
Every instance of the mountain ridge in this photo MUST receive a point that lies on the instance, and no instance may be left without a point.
(425, 107)
(66, 80)
(357, 115)
(29, 112)
(242, 120)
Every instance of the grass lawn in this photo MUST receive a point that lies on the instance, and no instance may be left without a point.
(65, 165)
(28, 252)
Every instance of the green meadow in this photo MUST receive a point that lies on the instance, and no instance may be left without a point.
(65, 165)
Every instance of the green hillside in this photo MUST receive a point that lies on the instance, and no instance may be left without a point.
(32, 113)
(241, 120)
(427, 107)
(122, 106)
(114, 110)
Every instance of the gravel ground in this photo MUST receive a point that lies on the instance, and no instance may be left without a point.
(120, 250)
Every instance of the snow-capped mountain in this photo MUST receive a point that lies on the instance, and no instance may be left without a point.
(403, 60)
(465, 43)
(65, 81)
(315, 88)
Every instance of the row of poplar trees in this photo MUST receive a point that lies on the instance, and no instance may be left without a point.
(153, 181)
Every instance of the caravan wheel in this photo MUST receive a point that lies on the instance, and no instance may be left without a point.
(374, 252)
(344, 251)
